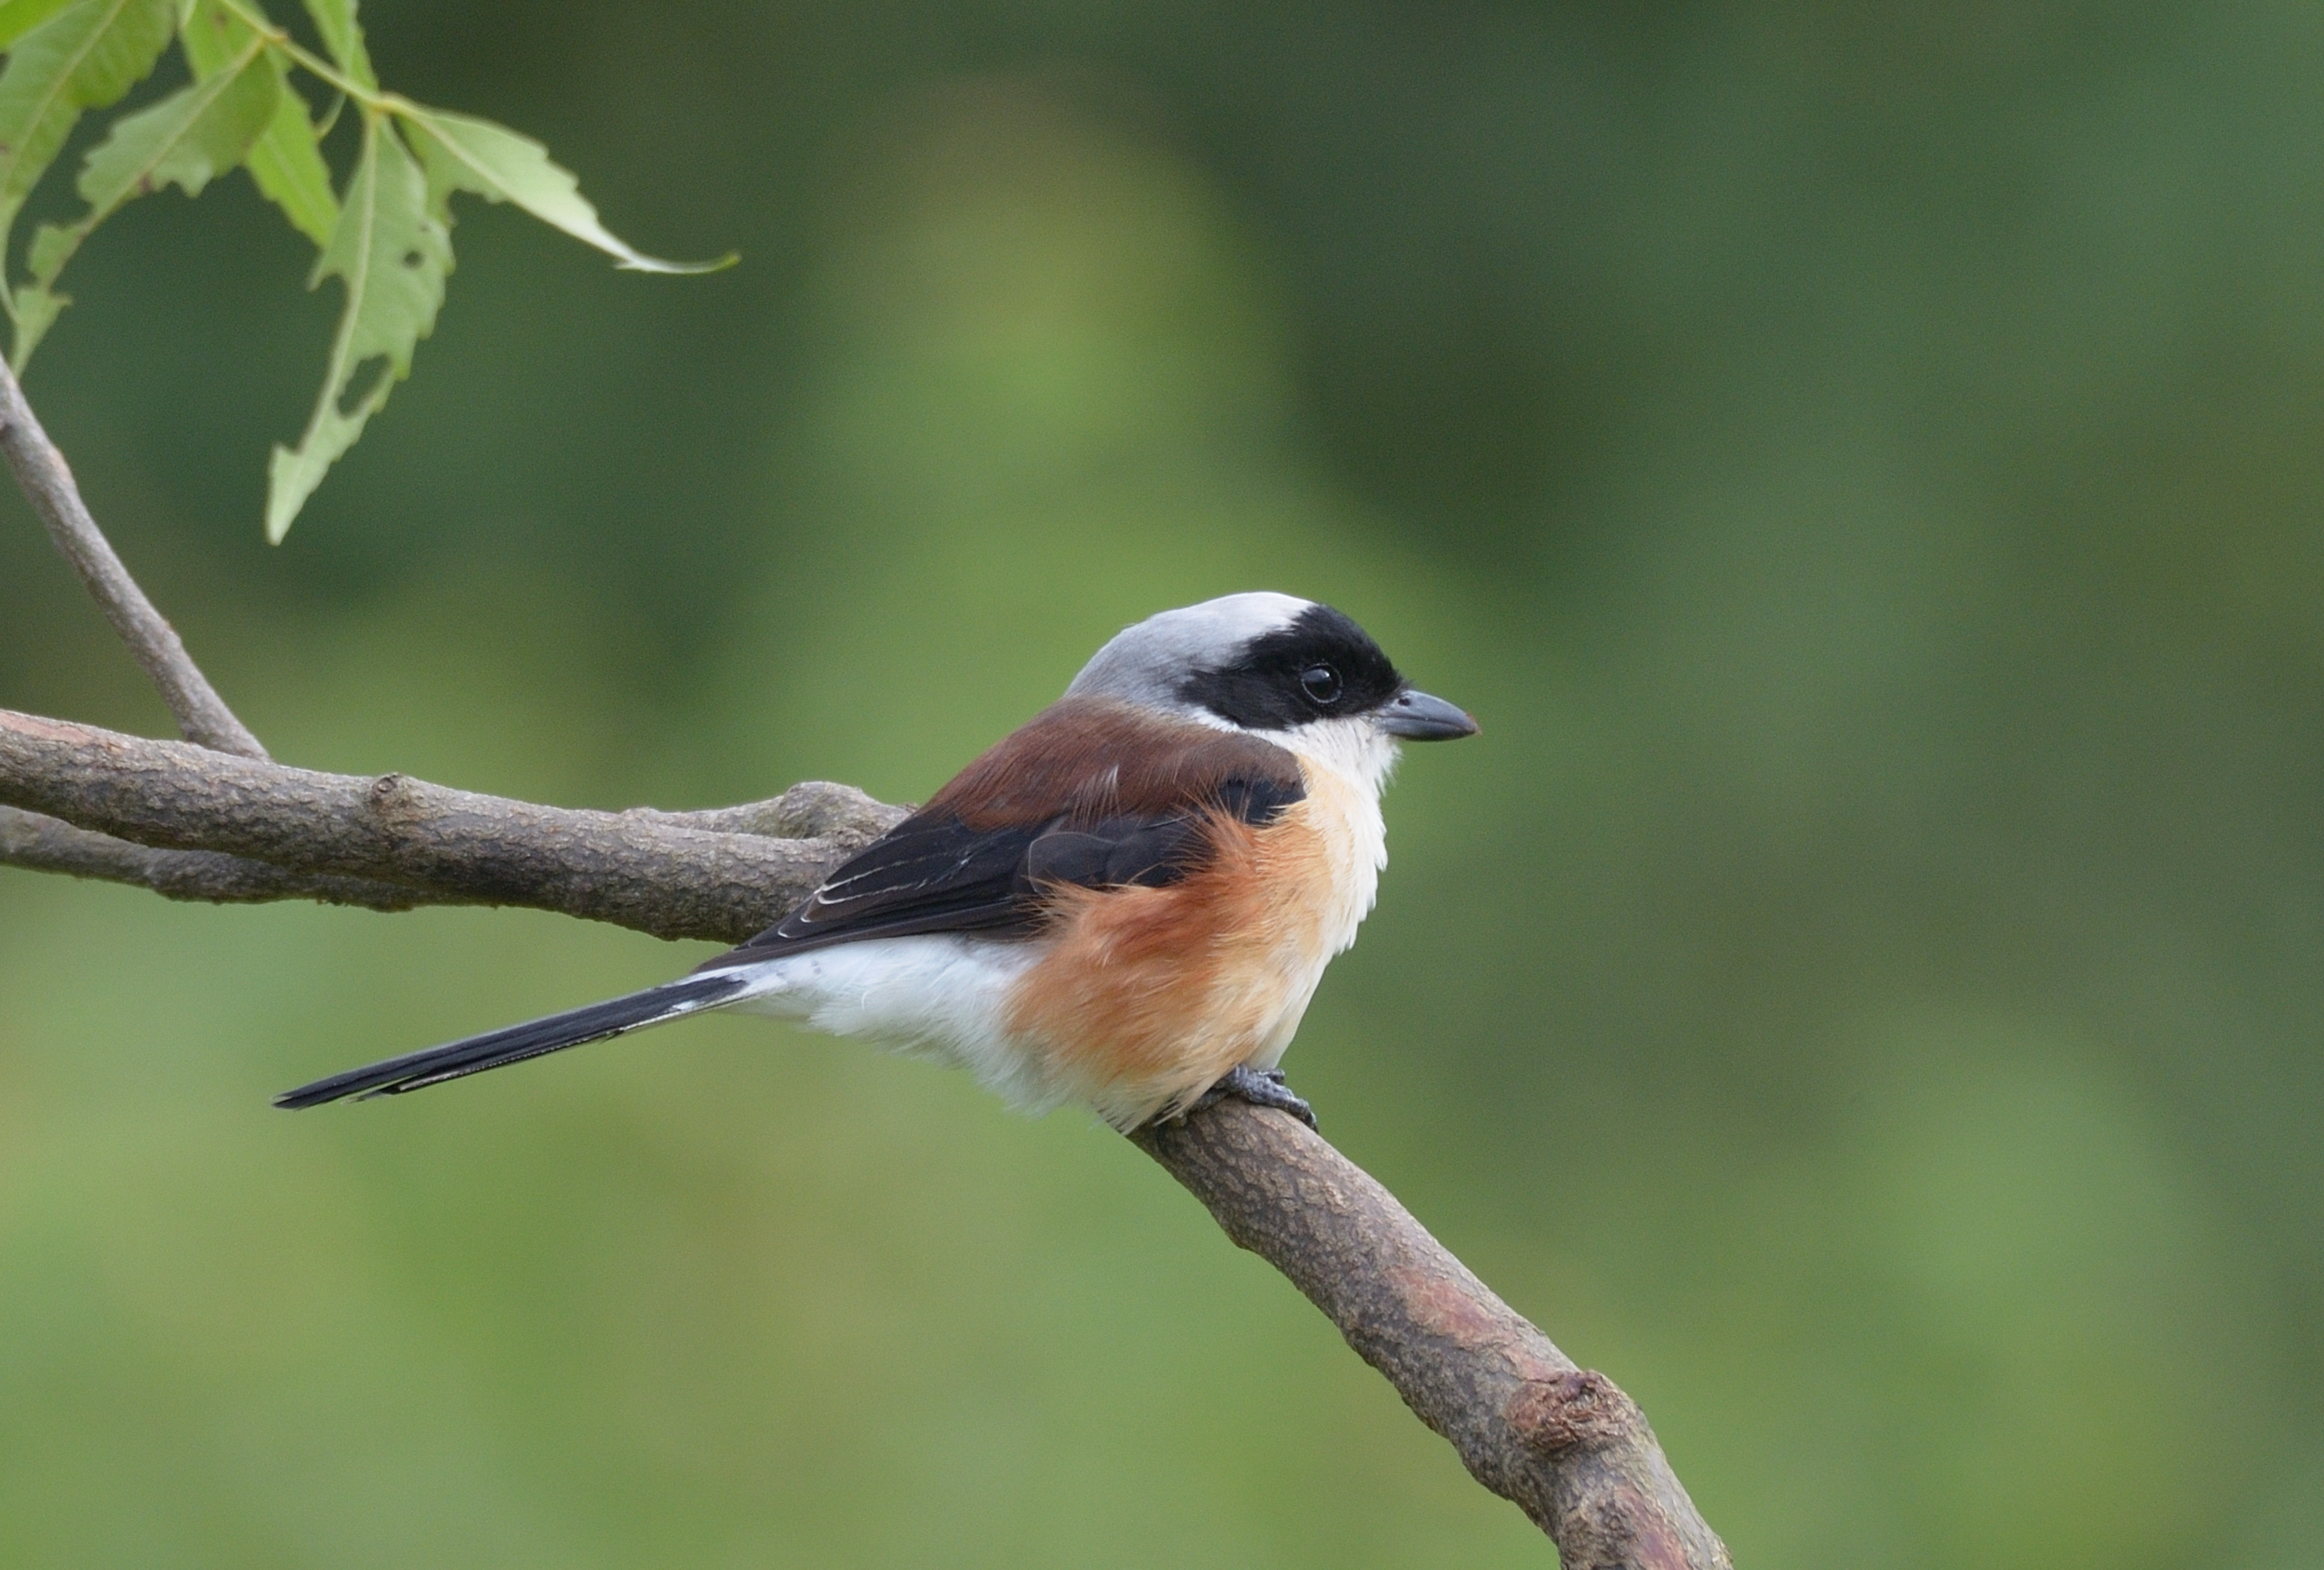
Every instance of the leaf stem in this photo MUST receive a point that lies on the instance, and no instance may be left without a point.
(306, 59)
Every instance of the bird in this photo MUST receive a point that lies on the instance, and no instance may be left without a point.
(1126, 903)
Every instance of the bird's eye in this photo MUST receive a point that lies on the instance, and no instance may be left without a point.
(1321, 683)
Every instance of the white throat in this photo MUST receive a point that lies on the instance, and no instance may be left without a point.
(1356, 750)
(1348, 762)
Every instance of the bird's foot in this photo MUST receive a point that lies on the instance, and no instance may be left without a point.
(1261, 1087)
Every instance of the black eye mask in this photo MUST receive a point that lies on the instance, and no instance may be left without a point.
(1266, 687)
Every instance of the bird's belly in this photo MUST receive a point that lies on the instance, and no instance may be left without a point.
(1143, 997)
(942, 996)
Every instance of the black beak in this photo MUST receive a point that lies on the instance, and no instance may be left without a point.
(1417, 717)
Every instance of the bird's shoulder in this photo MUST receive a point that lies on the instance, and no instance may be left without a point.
(1083, 759)
(1090, 792)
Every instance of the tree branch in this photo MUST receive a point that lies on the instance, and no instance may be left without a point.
(47, 480)
(28, 839)
(1560, 1442)
(1564, 1444)
(656, 871)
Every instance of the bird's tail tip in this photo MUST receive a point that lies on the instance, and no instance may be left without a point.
(515, 1043)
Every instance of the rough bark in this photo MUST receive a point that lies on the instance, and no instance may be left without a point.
(44, 845)
(656, 871)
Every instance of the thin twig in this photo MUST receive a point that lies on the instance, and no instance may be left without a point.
(1564, 1444)
(306, 59)
(47, 480)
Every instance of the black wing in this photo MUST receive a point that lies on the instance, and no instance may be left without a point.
(937, 873)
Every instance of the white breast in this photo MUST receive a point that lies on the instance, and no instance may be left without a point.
(1347, 763)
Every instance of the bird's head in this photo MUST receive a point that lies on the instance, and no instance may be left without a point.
(1298, 673)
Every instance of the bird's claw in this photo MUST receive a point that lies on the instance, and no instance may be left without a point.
(1259, 1087)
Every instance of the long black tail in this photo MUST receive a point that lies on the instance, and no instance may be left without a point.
(514, 1043)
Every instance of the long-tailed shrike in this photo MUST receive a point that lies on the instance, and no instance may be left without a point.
(1126, 903)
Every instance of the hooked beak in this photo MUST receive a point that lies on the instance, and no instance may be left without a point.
(1417, 717)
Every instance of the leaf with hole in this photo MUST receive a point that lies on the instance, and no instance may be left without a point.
(186, 139)
(286, 161)
(85, 57)
(462, 152)
(392, 255)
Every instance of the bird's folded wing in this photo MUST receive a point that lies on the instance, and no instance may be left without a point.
(1089, 793)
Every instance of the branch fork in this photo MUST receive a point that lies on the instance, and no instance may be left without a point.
(47, 481)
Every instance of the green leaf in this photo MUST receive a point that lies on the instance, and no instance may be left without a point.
(286, 161)
(336, 21)
(85, 57)
(392, 255)
(186, 139)
(37, 309)
(212, 36)
(287, 166)
(462, 152)
(19, 18)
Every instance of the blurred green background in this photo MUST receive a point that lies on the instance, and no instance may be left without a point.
(1862, 463)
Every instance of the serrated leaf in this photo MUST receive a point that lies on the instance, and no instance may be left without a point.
(19, 18)
(85, 57)
(462, 152)
(286, 161)
(342, 36)
(392, 255)
(187, 140)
